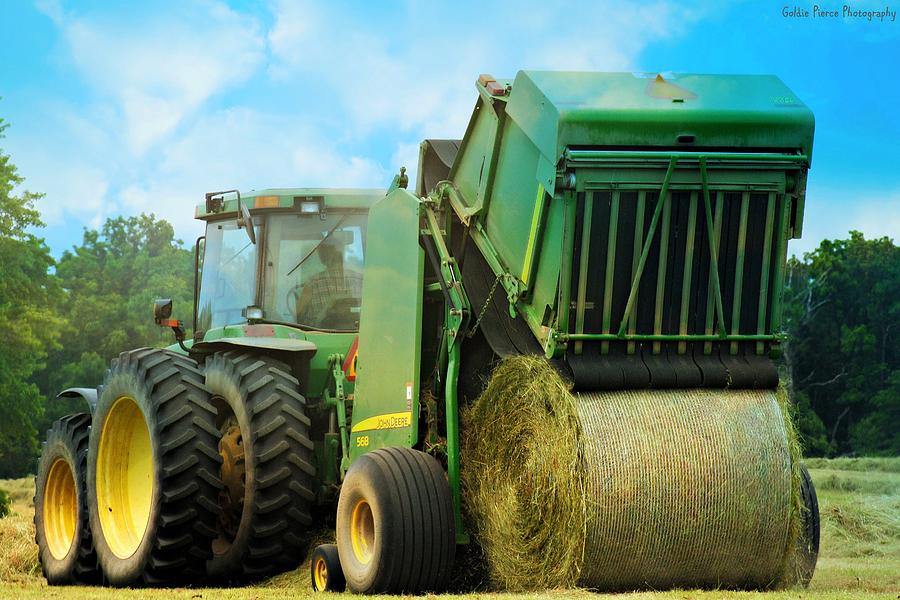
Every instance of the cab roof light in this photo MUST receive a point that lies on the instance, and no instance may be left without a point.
(266, 202)
(491, 85)
(310, 205)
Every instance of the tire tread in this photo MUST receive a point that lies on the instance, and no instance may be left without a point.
(181, 423)
(279, 431)
(73, 431)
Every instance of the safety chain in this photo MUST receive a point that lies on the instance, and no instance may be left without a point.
(483, 310)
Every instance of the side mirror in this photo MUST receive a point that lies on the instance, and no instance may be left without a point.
(215, 202)
(162, 314)
(162, 310)
(246, 221)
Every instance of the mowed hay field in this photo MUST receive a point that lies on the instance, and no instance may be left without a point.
(859, 500)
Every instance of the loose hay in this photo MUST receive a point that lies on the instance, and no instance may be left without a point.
(522, 477)
(791, 570)
(629, 489)
(18, 552)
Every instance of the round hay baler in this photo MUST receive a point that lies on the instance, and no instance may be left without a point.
(566, 337)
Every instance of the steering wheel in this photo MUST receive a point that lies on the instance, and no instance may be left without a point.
(339, 314)
(291, 299)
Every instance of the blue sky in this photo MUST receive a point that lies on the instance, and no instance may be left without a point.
(144, 106)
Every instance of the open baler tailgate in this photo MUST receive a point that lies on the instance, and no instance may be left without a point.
(683, 292)
(559, 180)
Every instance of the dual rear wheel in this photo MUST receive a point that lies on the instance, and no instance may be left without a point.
(147, 478)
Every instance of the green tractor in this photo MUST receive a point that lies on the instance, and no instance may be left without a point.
(631, 230)
(209, 460)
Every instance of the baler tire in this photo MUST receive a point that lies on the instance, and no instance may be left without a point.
(153, 417)
(808, 540)
(395, 524)
(325, 569)
(278, 462)
(60, 481)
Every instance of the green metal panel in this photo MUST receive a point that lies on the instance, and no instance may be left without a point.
(739, 269)
(557, 110)
(386, 402)
(508, 222)
(688, 272)
(583, 269)
(661, 268)
(534, 243)
(635, 259)
(714, 232)
(477, 155)
(764, 271)
(610, 265)
(282, 337)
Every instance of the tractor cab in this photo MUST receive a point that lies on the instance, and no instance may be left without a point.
(281, 270)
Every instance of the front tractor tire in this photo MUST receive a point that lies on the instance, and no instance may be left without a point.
(268, 468)
(153, 471)
(395, 524)
(62, 531)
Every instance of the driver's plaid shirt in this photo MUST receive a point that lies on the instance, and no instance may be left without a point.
(321, 292)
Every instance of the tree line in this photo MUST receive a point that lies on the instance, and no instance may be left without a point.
(62, 321)
(842, 314)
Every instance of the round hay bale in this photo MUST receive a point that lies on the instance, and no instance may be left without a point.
(629, 489)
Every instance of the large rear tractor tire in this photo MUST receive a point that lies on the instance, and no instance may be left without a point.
(62, 530)
(395, 525)
(268, 468)
(153, 471)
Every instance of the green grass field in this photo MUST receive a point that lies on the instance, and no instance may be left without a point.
(859, 500)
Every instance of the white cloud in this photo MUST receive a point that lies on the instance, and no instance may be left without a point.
(831, 213)
(159, 70)
(157, 130)
(244, 149)
(419, 76)
(879, 217)
(74, 186)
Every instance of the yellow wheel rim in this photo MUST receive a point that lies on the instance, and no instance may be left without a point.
(321, 574)
(60, 509)
(362, 532)
(125, 479)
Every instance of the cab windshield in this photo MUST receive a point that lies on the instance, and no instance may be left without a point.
(311, 274)
(314, 270)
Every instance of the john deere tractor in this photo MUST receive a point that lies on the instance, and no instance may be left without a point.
(631, 230)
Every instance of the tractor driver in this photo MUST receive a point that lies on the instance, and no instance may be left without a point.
(329, 298)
